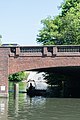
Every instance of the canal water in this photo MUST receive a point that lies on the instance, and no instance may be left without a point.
(39, 108)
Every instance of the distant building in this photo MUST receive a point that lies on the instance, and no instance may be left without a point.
(9, 45)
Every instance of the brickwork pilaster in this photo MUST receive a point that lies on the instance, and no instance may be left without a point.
(3, 72)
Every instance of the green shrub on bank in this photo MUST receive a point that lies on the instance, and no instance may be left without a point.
(18, 76)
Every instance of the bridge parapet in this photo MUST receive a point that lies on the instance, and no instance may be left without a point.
(33, 51)
(60, 50)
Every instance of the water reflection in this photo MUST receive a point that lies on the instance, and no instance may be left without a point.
(36, 101)
(39, 108)
(3, 108)
(23, 107)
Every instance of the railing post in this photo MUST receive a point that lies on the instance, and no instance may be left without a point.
(55, 50)
(45, 51)
(16, 90)
(17, 51)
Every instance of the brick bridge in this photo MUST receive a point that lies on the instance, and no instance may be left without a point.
(20, 58)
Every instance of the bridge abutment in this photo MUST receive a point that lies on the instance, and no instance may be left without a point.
(3, 72)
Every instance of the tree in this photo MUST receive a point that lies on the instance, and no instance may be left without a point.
(64, 28)
(17, 76)
(49, 34)
(71, 26)
(67, 4)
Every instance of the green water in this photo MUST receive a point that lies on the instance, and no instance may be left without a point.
(39, 108)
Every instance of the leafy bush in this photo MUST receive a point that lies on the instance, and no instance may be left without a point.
(17, 76)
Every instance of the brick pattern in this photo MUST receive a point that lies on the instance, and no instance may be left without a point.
(12, 60)
(28, 63)
(4, 71)
(46, 59)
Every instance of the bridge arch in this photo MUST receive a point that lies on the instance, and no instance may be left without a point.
(20, 58)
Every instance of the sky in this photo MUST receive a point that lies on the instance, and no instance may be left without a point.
(20, 20)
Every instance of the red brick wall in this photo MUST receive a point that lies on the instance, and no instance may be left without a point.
(21, 61)
(28, 63)
(4, 72)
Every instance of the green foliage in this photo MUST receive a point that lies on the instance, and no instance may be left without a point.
(17, 76)
(48, 35)
(71, 26)
(64, 28)
(68, 4)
